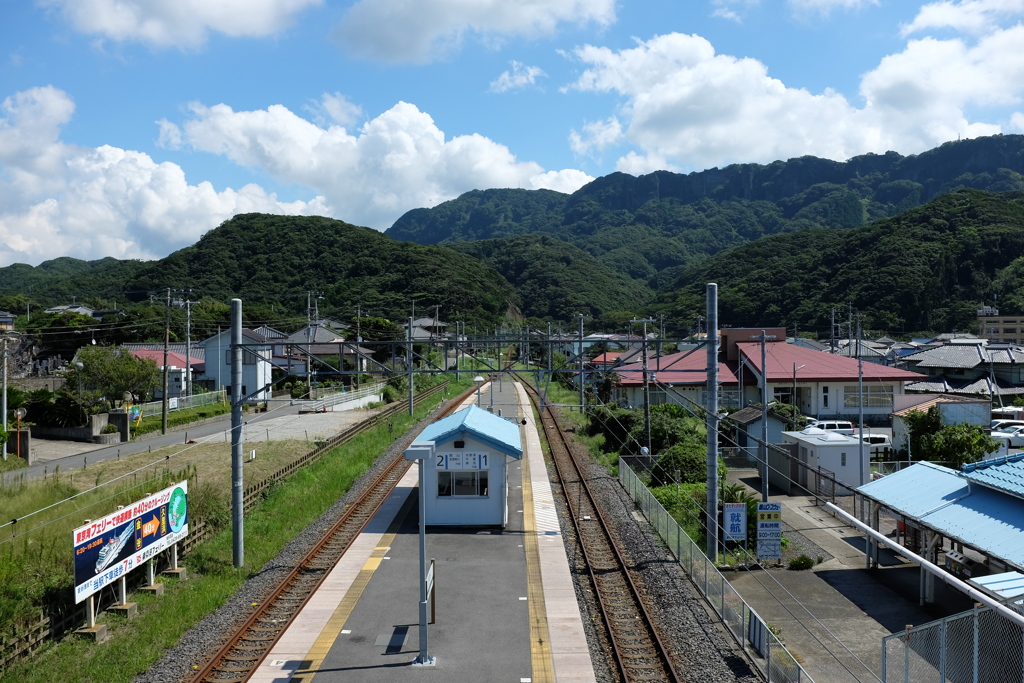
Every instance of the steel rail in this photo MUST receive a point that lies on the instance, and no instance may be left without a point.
(241, 655)
(639, 653)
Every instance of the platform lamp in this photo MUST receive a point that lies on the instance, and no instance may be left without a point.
(423, 451)
(479, 379)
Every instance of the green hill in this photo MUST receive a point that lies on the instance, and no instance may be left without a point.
(928, 269)
(647, 227)
(556, 279)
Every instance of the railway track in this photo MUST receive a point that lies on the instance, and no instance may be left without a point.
(239, 657)
(636, 649)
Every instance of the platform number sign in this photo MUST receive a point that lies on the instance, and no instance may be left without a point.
(462, 461)
(769, 531)
(735, 518)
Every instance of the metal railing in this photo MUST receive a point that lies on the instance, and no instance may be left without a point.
(179, 402)
(748, 629)
(329, 401)
(976, 646)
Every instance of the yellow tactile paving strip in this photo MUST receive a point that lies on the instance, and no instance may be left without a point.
(570, 654)
(540, 639)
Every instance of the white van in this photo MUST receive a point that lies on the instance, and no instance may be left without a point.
(834, 426)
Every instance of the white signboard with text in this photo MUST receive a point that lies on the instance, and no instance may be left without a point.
(769, 531)
(734, 517)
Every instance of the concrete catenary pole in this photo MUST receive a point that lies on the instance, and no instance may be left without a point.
(3, 397)
(408, 363)
(712, 389)
(579, 358)
(237, 492)
(167, 344)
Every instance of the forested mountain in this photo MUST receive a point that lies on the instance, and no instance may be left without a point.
(271, 262)
(556, 279)
(929, 268)
(648, 226)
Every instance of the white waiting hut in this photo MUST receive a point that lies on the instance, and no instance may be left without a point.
(467, 482)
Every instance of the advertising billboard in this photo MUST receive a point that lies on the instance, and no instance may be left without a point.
(107, 549)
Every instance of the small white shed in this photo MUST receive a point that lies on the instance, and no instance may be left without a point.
(467, 482)
(838, 453)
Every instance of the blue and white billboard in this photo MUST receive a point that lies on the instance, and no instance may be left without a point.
(109, 548)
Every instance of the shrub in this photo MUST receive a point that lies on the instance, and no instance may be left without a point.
(801, 562)
(109, 429)
(390, 394)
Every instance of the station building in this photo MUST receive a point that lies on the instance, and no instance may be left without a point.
(467, 481)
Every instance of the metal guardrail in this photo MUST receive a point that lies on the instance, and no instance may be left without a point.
(748, 629)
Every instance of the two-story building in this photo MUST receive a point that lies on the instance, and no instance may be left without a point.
(819, 384)
(256, 364)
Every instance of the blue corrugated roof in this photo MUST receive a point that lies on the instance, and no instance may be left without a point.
(918, 489)
(951, 504)
(1005, 474)
(1007, 585)
(495, 431)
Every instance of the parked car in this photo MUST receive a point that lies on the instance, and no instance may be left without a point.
(1014, 435)
(999, 424)
(877, 443)
(840, 426)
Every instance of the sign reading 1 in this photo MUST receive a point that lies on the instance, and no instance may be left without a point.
(461, 461)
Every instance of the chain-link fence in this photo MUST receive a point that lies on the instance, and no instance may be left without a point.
(749, 630)
(979, 646)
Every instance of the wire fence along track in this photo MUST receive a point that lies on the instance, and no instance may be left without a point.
(637, 650)
(239, 657)
(747, 628)
(20, 643)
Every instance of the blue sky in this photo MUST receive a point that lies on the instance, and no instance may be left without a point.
(128, 128)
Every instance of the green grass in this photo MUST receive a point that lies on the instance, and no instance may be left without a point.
(289, 506)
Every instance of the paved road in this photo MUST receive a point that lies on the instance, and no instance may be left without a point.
(281, 423)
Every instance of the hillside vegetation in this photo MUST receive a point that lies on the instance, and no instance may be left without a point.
(929, 268)
(647, 227)
(557, 280)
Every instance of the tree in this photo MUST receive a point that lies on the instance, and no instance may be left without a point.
(956, 444)
(113, 372)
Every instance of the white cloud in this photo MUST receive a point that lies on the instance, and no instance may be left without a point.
(519, 77)
(340, 109)
(424, 30)
(636, 164)
(597, 135)
(397, 161)
(58, 199)
(177, 23)
(686, 105)
(974, 17)
(1017, 122)
(826, 7)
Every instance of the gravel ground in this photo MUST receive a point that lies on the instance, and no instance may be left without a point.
(704, 650)
(200, 641)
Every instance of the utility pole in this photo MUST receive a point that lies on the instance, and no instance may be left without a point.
(359, 341)
(3, 398)
(408, 362)
(647, 390)
(712, 442)
(579, 358)
(188, 346)
(763, 448)
(167, 344)
(237, 487)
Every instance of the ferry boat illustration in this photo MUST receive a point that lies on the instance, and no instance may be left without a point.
(112, 549)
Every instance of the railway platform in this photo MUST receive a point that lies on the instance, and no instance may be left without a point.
(504, 606)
